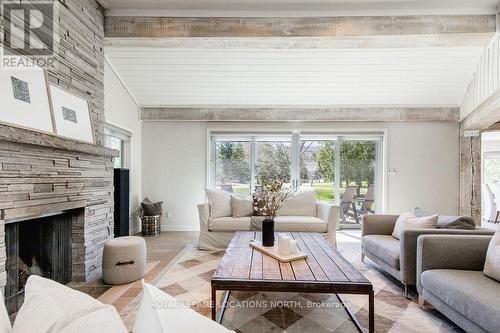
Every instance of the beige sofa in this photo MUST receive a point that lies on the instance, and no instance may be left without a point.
(301, 214)
(399, 257)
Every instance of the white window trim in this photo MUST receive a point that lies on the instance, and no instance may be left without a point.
(126, 137)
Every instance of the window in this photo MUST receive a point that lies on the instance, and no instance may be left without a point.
(341, 168)
(232, 166)
(119, 139)
(115, 143)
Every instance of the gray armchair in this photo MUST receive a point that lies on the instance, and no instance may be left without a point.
(450, 277)
(399, 257)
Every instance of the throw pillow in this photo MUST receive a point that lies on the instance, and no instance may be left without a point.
(241, 206)
(420, 212)
(105, 320)
(160, 312)
(408, 220)
(151, 208)
(219, 202)
(299, 204)
(4, 317)
(492, 263)
(456, 222)
(51, 307)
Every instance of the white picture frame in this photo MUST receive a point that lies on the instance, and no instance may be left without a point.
(71, 115)
(25, 100)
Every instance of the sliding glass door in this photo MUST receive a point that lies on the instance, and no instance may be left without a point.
(358, 173)
(344, 169)
(318, 168)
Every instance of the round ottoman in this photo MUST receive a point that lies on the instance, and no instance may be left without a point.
(123, 260)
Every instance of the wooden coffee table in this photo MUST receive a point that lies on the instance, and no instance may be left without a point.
(244, 268)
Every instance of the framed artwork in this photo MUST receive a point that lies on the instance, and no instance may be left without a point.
(25, 100)
(71, 115)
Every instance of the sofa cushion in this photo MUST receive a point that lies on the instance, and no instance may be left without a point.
(219, 202)
(241, 205)
(104, 320)
(299, 204)
(470, 293)
(408, 220)
(161, 313)
(4, 317)
(229, 224)
(492, 263)
(385, 247)
(300, 224)
(52, 307)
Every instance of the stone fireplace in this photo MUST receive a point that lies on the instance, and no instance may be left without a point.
(43, 175)
(50, 186)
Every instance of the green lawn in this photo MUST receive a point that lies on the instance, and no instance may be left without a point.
(245, 190)
(324, 191)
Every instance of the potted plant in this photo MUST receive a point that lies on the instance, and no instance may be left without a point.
(272, 198)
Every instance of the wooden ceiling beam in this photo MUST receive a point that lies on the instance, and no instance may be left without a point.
(169, 27)
(301, 114)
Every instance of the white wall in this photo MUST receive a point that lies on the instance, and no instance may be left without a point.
(426, 156)
(121, 111)
(174, 170)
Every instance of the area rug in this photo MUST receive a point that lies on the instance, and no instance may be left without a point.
(187, 278)
(188, 281)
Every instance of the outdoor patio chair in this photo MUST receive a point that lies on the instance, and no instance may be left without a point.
(347, 203)
(367, 200)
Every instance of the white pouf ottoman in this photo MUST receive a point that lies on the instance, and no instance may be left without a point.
(123, 260)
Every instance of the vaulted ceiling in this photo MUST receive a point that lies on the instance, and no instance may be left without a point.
(351, 77)
(390, 60)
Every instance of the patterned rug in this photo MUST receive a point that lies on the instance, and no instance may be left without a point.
(189, 281)
(187, 278)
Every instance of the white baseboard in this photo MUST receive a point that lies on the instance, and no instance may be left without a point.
(180, 227)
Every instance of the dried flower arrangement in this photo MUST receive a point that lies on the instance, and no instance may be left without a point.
(273, 197)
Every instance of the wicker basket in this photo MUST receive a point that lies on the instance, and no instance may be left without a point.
(151, 225)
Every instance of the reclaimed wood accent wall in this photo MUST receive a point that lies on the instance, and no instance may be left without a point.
(79, 53)
(470, 177)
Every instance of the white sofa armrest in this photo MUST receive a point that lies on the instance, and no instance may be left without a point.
(329, 213)
(204, 212)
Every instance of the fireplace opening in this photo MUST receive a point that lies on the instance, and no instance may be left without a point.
(39, 246)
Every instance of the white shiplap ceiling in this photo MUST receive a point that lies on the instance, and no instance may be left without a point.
(297, 7)
(327, 77)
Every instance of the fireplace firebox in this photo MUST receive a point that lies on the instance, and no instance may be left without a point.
(38, 246)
